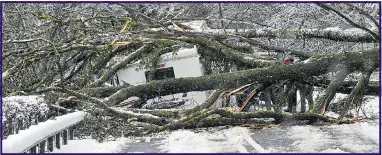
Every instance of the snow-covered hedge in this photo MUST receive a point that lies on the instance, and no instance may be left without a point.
(20, 112)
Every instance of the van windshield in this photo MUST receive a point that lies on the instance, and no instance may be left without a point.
(161, 74)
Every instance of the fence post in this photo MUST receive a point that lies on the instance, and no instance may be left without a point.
(58, 139)
(17, 126)
(42, 147)
(71, 132)
(3, 131)
(50, 144)
(65, 137)
(29, 122)
(33, 149)
(21, 125)
(10, 127)
(36, 119)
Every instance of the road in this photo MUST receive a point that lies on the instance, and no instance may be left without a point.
(359, 137)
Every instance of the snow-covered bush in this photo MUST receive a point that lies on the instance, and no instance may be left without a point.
(20, 112)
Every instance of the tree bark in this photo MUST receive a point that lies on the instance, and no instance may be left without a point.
(356, 96)
(316, 66)
(324, 100)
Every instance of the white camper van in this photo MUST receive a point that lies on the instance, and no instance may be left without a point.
(184, 63)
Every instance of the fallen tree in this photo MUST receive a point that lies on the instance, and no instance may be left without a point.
(73, 56)
(201, 116)
(317, 65)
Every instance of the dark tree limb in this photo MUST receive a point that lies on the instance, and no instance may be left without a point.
(316, 66)
(226, 53)
(123, 114)
(324, 100)
(356, 96)
(119, 66)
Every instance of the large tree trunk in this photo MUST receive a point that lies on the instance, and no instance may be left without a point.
(324, 100)
(356, 96)
(316, 66)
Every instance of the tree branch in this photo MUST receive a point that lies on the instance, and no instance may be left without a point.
(316, 66)
(119, 66)
(363, 12)
(328, 8)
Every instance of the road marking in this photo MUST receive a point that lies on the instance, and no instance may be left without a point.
(238, 146)
(255, 145)
(241, 148)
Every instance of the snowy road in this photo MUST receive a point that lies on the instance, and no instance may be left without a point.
(359, 137)
(355, 138)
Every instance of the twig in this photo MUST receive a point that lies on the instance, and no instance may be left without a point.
(328, 8)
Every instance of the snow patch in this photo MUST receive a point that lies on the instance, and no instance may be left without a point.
(5, 74)
(308, 138)
(92, 146)
(369, 131)
(136, 114)
(199, 25)
(186, 141)
(337, 150)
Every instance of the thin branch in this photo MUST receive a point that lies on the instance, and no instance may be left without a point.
(235, 17)
(328, 8)
(363, 12)
(118, 66)
(133, 11)
(123, 114)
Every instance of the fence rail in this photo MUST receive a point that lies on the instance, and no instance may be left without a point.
(54, 141)
(45, 136)
(14, 125)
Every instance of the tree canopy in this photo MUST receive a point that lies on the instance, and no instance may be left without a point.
(71, 48)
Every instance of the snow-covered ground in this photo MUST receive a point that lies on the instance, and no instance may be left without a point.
(360, 137)
(91, 146)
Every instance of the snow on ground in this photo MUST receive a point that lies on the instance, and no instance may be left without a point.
(353, 136)
(308, 138)
(337, 150)
(359, 137)
(91, 146)
(26, 138)
(186, 141)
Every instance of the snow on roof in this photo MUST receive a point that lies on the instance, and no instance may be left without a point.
(26, 138)
(183, 53)
(197, 25)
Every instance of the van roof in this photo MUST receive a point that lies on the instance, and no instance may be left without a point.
(183, 53)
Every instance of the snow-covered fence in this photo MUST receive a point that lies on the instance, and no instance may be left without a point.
(45, 136)
(20, 112)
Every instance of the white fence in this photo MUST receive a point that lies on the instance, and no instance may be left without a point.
(40, 138)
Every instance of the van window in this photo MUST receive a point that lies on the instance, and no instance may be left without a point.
(161, 74)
